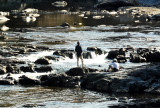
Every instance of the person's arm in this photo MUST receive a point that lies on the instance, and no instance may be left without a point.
(80, 49)
(75, 48)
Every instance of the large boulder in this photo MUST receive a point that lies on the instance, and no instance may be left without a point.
(114, 53)
(60, 80)
(7, 82)
(24, 80)
(96, 81)
(77, 71)
(153, 56)
(42, 61)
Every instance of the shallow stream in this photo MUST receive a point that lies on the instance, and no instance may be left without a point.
(107, 33)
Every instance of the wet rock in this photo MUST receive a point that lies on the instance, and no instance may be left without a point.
(114, 53)
(2, 70)
(91, 48)
(77, 71)
(136, 86)
(7, 82)
(96, 81)
(26, 69)
(139, 103)
(65, 25)
(44, 77)
(44, 69)
(60, 80)
(87, 55)
(42, 61)
(136, 58)
(121, 59)
(9, 68)
(153, 56)
(146, 72)
(113, 5)
(156, 17)
(97, 50)
(24, 80)
(12, 69)
(64, 53)
(30, 105)
(141, 51)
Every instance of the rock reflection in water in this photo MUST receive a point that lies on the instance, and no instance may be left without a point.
(17, 96)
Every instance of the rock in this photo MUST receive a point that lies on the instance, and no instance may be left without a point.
(156, 17)
(60, 80)
(26, 69)
(96, 81)
(87, 55)
(153, 56)
(77, 71)
(113, 5)
(7, 82)
(91, 48)
(42, 61)
(44, 69)
(30, 105)
(24, 80)
(121, 59)
(44, 78)
(64, 53)
(136, 58)
(114, 53)
(9, 69)
(65, 25)
(2, 70)
(97, 50)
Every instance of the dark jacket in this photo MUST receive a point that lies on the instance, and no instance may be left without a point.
(78, 50)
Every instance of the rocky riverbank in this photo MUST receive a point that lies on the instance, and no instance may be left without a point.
(143, 79)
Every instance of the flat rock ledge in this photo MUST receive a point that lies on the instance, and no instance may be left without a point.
(143, 79)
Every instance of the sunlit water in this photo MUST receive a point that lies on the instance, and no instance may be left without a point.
(45, 97)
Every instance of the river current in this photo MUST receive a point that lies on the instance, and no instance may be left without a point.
(106, 33)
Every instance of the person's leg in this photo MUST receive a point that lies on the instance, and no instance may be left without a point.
(77, 61)
(110, 69)
(81, 57)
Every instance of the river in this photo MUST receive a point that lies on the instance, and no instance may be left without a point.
(106, 33)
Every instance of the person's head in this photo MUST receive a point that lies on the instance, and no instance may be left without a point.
(78, 43)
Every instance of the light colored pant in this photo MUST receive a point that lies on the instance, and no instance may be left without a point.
(80, 57)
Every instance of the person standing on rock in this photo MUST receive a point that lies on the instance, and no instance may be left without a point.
(114, 66)
(78, 50)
